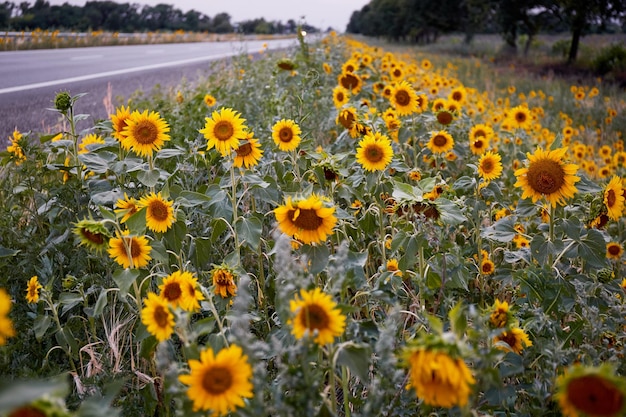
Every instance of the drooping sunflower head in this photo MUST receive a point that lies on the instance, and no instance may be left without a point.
(286, 64)
(490, 166)
(548, 175)
(248, 153)
(130, 251)
(223, 130)
(219, 382)
(404, 99)
(310, 219)
(614, 198)
(286, 135)
(224, 281)
(157, 317)
(374, 152)
(159, 212)
(315, 314)
(145, 133)
(440, 142)
(32, 289)
(92, 234)
(513, 340)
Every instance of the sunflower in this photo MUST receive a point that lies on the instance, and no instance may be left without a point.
(119, 123)
(490, 166)
(89, 139)
(519, 117)
(440, 379)
(500, 315)
(444, 116)
(219, 382)
(404, 99)
(515, 338)
(308, 219)
(591, 391)
(157, 317)
(614, 198)
(614, 251)
(347, 117)
(6, 325)
(224, 130)
(458, 94)
(480, 135)
(92, 234)
(194, 295)
(145, 133)
(15, 149)
(174, 290)
(549, 176)
(248, 153)
(350, 82)
(340, 96)
(159, 212)
(127, 207)
(487, 267)
(209, 100)
(130, 251)
(32, 289)
(224, 281)
(374, 152)
(286, 135)
(440, 142)
(316, 314)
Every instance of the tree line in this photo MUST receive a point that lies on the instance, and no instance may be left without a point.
(422, 21)
(127, 17)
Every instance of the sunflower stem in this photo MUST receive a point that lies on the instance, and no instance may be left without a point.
(551, 231)
(333, 382)
(344, 384)
(233, 199)
(55, 317)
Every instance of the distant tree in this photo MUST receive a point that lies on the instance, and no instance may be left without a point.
(221, 23)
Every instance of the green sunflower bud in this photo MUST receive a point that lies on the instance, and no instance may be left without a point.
(63, 101)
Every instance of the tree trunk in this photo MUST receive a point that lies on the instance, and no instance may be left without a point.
(573, 49)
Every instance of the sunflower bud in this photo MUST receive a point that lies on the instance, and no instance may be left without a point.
(63, 101)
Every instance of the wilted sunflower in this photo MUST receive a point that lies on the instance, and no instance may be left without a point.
(224, 281)
(374, 152)
(127, 207)
(404, 99)
(515, 338)
(286, 135)
(92, 234)
(315, 314)
(308, 219)
(209, 100)
(614, 251)
(224, 130)
(500, 315)
(520, 117)
(549, 176)
(248, 153)
(119, 123)
(219, 382)
(32, 289)
(440, 142)
(159, 212)
(127, 250)
(614, 198)
(157, 317)
(490, 166)
(145, 133)
(591, 391)
(340, 96)
(6, 325)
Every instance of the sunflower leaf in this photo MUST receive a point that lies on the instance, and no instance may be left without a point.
(124, 278)
(356, 357)
(149, 178)
(249, 231)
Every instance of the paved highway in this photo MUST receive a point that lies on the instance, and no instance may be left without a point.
(29, 80)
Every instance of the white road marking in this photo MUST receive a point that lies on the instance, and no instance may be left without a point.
(85, 57)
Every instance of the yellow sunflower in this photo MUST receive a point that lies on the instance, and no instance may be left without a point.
(209, 100)
(487, 267)
(157, 317)
(520, 117)
(286, 135)
(440, 142)
(458, 94)
(15, 149)
(374, 152)
(549, 176)
(440, 379)
(315, 314)
(224, 281)
(347, 117)
(174, 289)
(340, 96)
(490, 166)
(130, 251)
(92, 234)
(614, 251)
(32, 290)
(591, 391)
(119, 123)
(89, 139)
(159, 212)
(224, 130)
(404, 99)
(614, 198)
(127, 207)
(515, 338)
(248, 153)
(219, 382)
(145, 133)
(351, 82)
(190, 286)
(6, 325)
(307, 219)
(500, 315)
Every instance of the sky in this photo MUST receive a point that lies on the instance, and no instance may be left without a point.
(319, 13)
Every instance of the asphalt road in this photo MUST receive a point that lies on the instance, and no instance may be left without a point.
(29, 80)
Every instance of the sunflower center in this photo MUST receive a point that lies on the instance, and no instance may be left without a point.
(217, 380)
(161, 316)
(158, 210)
(306, 219)
(223, 278)
(614, 250)
(223, 130)
(508, 338)
(145, 132)
(456, 96)
(172, 291)
(285, 134)
(444, 117)
(96, 238)
(487, 165)
(244, 150)
(487, 268)
(478, 143)
(610, 198)
(594, 395)
(440, 141)
(135, 248)
(349, 81)
(346, 119)
(546, 176)
(397, 73)
(373, 153)
(314, 317)
(403, 98)
(340, 96)
(520, 117)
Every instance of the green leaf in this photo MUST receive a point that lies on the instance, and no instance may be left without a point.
(124, 279)
(41, 325)
(168, 153)
(101, 303)
(203, 326)
(249, 231)
(405, 192)
(149, 178)
(458, 321)
(464, 183)
(192, 199)
(501, 231)
(16, 393)
(136, 223)
(356, 357)
(450, 212)
(69, 300)
(592, 249)
(5, 252)
(317, 256)
(512, 364)
(95, 161)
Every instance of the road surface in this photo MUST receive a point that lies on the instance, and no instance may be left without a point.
(29, 80)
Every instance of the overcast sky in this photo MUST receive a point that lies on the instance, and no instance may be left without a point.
(318, 13)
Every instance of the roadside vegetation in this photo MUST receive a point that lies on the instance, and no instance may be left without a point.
(348, 228)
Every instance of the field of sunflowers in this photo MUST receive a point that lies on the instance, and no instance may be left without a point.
(339, 229)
